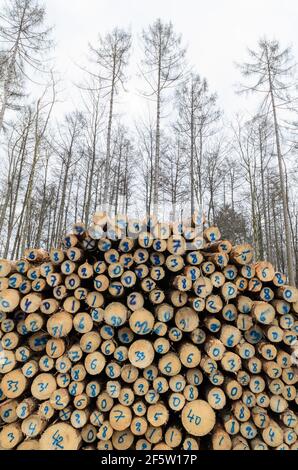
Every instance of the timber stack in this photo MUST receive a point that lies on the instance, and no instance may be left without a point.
(146, 335)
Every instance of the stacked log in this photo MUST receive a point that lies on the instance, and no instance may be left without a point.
(145, 335)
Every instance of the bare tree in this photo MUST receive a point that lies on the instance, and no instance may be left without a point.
(94, 117)
(271, 69)
(163, 66)
(111, 56)
(69, 152)
(198, 113)
(146, 144)
(24, 42)
(174, 173)
(42, 115)
(213, 177)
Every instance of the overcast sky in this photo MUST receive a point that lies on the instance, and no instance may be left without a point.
(217, 33)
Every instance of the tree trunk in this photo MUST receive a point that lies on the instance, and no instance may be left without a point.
(10, 70)
(157, 138)
(289, 254)
(109, 136)
(192, 137)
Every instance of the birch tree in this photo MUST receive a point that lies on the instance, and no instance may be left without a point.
(94, 116)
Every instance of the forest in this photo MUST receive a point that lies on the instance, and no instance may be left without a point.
(57, 170)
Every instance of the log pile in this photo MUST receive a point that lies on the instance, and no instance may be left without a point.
(143, 335)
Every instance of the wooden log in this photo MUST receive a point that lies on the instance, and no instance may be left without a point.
(43, 386)
(265, 271)
(4, 283)
(255, 285)
(127, 396)
(208, 268)
(120, 417)
(161, 345)
(193, 272)
(45, 269)
(145, 240)
(9, 300)
(231, 362)
(220, 260)
(141, 354)
(230, 336)
(264, 313)
(129, 278)
(189, 355)
(154, 434)
(34, 322)
(29, 445)
(115, 314)
(94, 363)
(233, 389)
(215, 322)
(174, 263)
(177, 298)
(273, 435)
(122, 440)
(169, 365)
(33, 426)
(288, 293)
(186, 319)
(212, 234)
(95, 231)
(14, 383)
(10, 436)
(203, 287)
(30, 369)
(57, 256)
(60, 436)
(214, 348)
(221, 439)
(85, 271)
(198, 418)
(10, 340)
(8, 412)
(158, 415)
(230, 423)
(191, 443)
(7, 361)
(217, 279)
(224, 246)
(216, 398)
(194, 258)
(241, 283)
(242, 254)
(55, 347)
(182, 283)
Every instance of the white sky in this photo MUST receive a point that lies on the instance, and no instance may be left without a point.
(217, 33)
